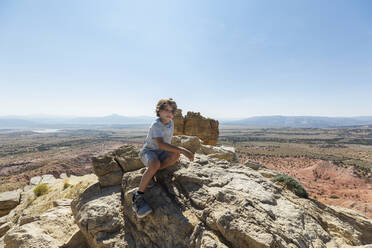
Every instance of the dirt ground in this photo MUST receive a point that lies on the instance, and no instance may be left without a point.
(325, 181)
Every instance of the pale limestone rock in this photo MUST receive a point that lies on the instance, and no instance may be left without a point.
(107, 169)
(76, 241)
(35, 180)
(63, 176)
(128, 158)
(26, 217)
(62, 202)
(48, 179)
(98, 214)
(9, 200)
(110, 167)
(28, 236)
(191, 143)
(52, 229)
(221, 152)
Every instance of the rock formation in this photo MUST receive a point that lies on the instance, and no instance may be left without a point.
(193, 124)
(213, 202)
(45, 221)
(178, 120)
(110, 167)
(192, 143)
(9, 200)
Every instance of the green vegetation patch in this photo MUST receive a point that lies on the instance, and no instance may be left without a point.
(66, 185)
(41, 189)
(292, 184)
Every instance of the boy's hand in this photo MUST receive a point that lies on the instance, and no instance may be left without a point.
(188, 154)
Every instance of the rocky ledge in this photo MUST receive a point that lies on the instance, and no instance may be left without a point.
(211, 202)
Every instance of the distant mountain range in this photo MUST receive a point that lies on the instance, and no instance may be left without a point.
(301, 121)
(48, 121)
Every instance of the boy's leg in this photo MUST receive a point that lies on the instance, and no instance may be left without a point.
(154, 165)
(171, 159)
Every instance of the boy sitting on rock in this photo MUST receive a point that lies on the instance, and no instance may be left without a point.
(157, 153)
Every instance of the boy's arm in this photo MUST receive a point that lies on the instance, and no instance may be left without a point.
(169, 147)
(156, 133)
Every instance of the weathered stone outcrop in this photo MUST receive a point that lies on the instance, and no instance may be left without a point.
(110, 167)
(193, 124)
(192, 143)
(9, 200)
(47, 178)
(204, 128)
(221, 152)
(97, 213)
(45, 221)
(212, 202)
(178, 120)
(52, 229)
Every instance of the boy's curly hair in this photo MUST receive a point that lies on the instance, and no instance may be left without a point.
(165, 101)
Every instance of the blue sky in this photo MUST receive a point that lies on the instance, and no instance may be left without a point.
(220, 58)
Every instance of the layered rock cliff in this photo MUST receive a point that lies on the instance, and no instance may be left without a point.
(194, 124)
(213, 202)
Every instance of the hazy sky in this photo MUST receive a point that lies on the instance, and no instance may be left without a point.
(220, 58)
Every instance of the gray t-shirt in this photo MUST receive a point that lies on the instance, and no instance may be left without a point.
(158, 129)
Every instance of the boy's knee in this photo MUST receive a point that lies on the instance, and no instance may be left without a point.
(154, 164)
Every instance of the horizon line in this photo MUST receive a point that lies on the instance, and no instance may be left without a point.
(143, 115)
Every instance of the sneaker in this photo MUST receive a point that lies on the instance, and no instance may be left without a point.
(140, 206)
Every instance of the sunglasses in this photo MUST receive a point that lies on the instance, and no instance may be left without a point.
(170, 111)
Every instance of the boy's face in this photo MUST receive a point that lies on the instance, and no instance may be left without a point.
(166, 113)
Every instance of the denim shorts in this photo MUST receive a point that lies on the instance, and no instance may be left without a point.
(148, 155)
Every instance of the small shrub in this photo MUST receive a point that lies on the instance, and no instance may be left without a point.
(76, 190)
(292, 184)
(66, 185)
(41, 189)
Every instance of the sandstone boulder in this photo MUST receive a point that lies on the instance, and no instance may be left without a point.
(76, 241)
(37, 220)
(192, 143)
(35, 180)
(127, 157)
(48, 179)
(98, 215)
(204, 128)
(193, 124)
(63, 175)
(9, 200)
(221, 152)
(62, 202)
(178, 122)
(110, 167)
(52, 229)
(107, 169)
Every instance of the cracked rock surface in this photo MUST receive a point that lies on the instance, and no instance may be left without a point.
(213, 202)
